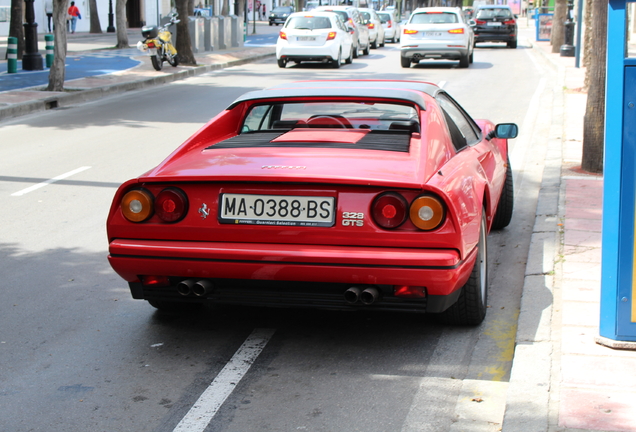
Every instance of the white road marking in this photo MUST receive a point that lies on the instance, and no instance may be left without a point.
(204, 409)
(48, 182)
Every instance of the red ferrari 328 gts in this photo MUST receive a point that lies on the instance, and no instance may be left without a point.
(346, 195)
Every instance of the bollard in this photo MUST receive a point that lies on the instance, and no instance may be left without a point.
(12, 55)
(49, 49)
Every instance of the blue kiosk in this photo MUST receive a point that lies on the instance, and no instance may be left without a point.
(618, 277)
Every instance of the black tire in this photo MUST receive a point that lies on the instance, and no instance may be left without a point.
(365, 51)
(355, 51)
(512, 44)
(392, 40)
(470, 308)
(174, 60)
(464, 61)
(374, 45)
(503, 214)
(470, 57)
(349, 59)
(282, 63)
(157, 62)
(271, 23)
(336, 63)
(406, 62)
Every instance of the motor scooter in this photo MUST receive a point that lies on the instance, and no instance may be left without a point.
(158, 43)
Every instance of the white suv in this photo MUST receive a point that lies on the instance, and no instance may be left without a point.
(439, 33)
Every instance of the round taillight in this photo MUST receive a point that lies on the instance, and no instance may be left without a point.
(389, 210)
(427, 212)
(171, 205)
(137, 205)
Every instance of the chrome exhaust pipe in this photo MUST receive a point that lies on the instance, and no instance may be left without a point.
(202, 288)
(185, 287)
(369, 296)
(352, 295)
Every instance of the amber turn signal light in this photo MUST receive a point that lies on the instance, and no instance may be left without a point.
(427, 212)
(137, 205)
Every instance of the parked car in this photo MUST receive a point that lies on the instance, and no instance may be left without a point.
(352, 18)
(314, 36)
(351, 195)
(495, 23)
(279, 14)
(439, 33)
(374, 24)
(391, 26)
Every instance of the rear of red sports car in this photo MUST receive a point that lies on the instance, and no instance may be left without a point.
(312, 196)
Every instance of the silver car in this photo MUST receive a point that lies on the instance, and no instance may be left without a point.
(352, 18)
(391, 25)
(374, 24)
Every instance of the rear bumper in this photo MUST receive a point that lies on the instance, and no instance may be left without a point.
(495, 37)
(327, 270)
(418, 53)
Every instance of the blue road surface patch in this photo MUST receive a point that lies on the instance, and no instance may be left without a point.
(76, 67)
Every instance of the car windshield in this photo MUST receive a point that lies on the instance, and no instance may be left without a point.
(308, 23)
(434, 18)
(384, 17)
(343, 14)
(366, 15)
(349, 115)
(281, 10)
(491, 13)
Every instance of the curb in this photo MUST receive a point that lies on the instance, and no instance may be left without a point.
(59, 99)
(529, 399)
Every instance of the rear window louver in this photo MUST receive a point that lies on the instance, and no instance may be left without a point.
(383, 140)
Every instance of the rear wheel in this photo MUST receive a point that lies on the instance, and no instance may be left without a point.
(355, 51)
(374, 45)
(365, 51)
(470, 307)
(512, 44)
(157, 62)
(470, 57)
(503, 215)
(349, 59)
(464, 61)
(282, 63)
(406, 62)
(336, 63)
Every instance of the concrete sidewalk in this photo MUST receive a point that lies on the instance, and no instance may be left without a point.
(562, 379)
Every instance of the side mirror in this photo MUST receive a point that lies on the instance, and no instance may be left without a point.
(351, 29)
(505, 131)
(472, 23)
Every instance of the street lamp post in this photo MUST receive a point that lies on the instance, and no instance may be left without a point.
(111, 27)
(32, 59)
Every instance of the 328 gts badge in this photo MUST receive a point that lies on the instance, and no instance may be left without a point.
(352, 219)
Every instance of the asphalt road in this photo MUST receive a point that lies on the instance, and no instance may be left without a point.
(79, 354)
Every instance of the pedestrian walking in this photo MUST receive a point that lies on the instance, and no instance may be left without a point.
(48, 9)
(73, 16)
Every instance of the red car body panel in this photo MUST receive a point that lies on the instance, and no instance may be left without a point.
(468, 182)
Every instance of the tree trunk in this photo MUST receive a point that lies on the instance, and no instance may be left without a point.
(58, 70)
(184, 45)
(96, 27)
(594, 120)
(557, 37)
(225, 8)
(16, 28)
(587, 42)
(121, 24)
